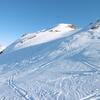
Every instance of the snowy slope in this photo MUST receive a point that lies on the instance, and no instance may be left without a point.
(1, 48)
(62, 68)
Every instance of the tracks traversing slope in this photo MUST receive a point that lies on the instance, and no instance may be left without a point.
(87, 63)
(94, 96)
(3, 98)
(19, 90)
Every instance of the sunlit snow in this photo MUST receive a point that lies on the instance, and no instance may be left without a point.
(62, 63)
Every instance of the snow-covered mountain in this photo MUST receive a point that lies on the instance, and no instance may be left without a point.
(61, 63)
(43, 36)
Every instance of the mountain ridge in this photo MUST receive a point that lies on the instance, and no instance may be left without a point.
(31, 39)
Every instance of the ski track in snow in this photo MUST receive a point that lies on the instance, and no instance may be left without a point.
(19, 90)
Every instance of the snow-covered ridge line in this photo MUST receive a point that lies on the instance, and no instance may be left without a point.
(32, 39)
(47, 35)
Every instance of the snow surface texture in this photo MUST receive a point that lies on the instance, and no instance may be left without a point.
(1, 48)
(63, 67)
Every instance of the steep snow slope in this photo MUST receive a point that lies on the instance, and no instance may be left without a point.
(66, 68)
(41, 37)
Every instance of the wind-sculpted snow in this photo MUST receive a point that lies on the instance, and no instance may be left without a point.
(67, 68)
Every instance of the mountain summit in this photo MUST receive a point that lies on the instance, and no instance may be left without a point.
(64, 27)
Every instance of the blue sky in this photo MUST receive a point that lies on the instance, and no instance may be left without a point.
(22, 16)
